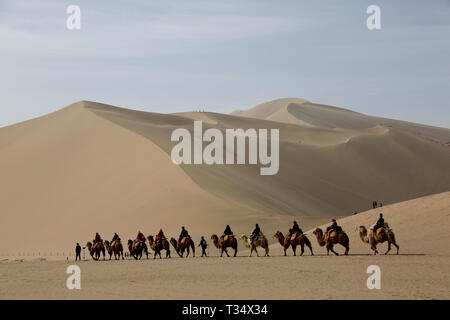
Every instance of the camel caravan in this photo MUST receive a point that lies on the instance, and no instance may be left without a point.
(333, 235)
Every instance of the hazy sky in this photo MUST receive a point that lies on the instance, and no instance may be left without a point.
(181, 55)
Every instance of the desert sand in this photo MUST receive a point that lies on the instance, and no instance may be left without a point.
(420, 271)
(91, 167)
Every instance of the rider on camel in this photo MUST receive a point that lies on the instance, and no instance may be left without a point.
(140, 237)
(160, 235)
(227, 232)
(256, 231)
(115, 237)
(184, 233)
(295, 229)
(379, 224)
(332, 227)
(97, 238)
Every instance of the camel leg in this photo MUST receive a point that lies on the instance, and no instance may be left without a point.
(310, 248)
(388, 249)
(235, 251)
(332, 250)
(294, 248)
(303, 249)
(188, 251)
(396, 246)
(256, 252)
(285, 252)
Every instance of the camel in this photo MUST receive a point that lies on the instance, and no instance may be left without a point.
(137, 249)
(335, 237)
(224, 243)
(109, 249)
(186, 243)
(95, 250)
(382, 235)
(163, 244)
(115, 248)
(260, 241)
(300, 240)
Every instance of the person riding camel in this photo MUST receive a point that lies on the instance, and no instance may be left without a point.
(140, 237)
(379, 224)
(227, 232)
(295, 229)
(332, 227)
(160, 236)
(255, 233)
(115, 237)
(184, 233)
(97, 238)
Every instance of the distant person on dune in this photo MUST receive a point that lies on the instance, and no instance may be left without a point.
(374, 204)
(78, 252)
(204, 245)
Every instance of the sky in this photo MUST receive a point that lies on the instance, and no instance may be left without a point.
(177, 55)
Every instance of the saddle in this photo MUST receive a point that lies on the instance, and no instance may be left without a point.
(228, 237)
(295, 235)
(183, 240)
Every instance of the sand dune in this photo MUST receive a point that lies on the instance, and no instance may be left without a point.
(92, 167)
(305, 113)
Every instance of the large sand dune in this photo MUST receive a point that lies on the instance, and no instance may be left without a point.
(92, 167)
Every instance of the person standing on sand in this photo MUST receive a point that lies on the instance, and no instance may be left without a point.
(204, 245)
(78, 252)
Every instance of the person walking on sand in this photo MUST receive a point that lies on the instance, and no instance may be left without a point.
(78, 252)
(204, 245)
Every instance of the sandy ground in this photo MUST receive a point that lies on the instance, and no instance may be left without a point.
(421, 271)
(319, 277)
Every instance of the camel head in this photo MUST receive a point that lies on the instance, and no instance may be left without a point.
(89, 245)
(363, 234)
(150, 239)
(362, 230)
(278, 235)
(318, 232)
(215, 240)
(244, 237)
(130, 243)
(174, 243)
